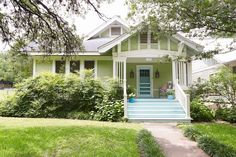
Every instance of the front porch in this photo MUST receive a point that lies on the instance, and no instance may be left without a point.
(148, 76)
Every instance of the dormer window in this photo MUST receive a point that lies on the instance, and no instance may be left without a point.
(115, 31)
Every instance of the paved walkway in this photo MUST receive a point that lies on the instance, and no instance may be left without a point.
(173, 142)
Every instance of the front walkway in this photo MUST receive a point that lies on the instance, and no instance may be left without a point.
(173, 142)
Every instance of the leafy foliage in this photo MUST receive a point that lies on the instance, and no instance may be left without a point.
(224, 84)
(52, 95)
(148, 145)
(192, 133)
(171, 16)
(199, 90)
(200, 112)
(109, 110)
(15, 66)
(226, 114)
(41, 21)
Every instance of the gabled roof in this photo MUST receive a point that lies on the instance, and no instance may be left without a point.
(105, 25)
(179, 37)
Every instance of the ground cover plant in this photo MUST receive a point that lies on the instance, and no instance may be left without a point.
(215, 139)
(147, 144)
(27, 137)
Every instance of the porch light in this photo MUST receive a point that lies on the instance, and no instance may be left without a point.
(131, 74)
(157, 74)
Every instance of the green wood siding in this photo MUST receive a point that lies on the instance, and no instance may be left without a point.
(124, 46)
(165, 70)
(163, 43)
(43, 66)
(134, 42)
(105, 69)
(173, 46)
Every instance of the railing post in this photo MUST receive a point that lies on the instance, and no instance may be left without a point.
(125, 91)
(188, 106)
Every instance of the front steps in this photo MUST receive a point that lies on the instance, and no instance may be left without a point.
(156, 110)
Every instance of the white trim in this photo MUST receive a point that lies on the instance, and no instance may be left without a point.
(62, 54)
(82, 68)
(67, 71)
(173, 72)
(105, 25)
(168, 43)
(34, 67)
(53, 66)
(150, 67)
(151, 53)
(96, 68)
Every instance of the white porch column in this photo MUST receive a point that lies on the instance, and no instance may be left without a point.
(185, 73)
(189, 73)
(125, 90)
(67, 67)
(53, 66)
(34, 67)
(82, 68)
(173, 72)
(96, 68)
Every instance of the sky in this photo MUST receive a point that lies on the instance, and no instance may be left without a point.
(91, 19)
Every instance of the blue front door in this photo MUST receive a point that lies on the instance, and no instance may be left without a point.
(145, 82)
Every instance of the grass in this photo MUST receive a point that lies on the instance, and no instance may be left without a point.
(27, 137)
(225, 133)
(217, 140)
(148, 145)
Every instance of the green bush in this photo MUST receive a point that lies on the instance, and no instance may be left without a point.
(215, 149)
(200, 112)
(226, 114)
(109, 110)
(79, 115)
(114, 90)
(53, 95)
(148, 145)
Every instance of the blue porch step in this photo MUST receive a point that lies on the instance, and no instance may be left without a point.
(156, 110)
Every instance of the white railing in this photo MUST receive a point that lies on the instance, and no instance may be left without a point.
(183, 98)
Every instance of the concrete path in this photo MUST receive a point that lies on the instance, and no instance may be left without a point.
(173, 142)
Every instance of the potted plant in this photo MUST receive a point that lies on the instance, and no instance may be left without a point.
(170, 94)
(131, 97)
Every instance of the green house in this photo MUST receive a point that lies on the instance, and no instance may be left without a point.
(137, 60)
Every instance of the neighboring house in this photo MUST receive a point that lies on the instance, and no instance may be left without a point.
(203, 69)
(136, 60)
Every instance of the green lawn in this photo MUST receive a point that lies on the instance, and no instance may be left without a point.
(59, 137)
(224, 133)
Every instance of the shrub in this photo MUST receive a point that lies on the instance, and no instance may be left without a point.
(200, 112)
(215, 149)
(148, 145)
(113, 90)
(226, 114)
(109, 110)
(53, 95)
(79, 115)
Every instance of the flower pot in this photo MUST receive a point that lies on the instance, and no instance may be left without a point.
(170, 97)
(131, 100)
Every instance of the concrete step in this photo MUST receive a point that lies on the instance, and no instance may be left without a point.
(155, 112)
(154, 116)
(155, 100)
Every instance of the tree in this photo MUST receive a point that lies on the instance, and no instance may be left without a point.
(15, 66)
(40, 21)
(224, 84)
(216, 16)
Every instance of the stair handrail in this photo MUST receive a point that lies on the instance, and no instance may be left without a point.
(183, 98)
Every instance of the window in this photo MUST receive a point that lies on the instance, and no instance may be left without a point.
(143, 38)
(60, 66)
(74, 66)
(234, 69)
(89, 64)
(154, 38)
(115, 30)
